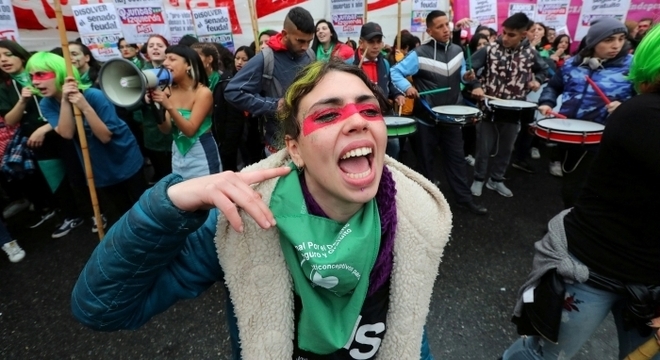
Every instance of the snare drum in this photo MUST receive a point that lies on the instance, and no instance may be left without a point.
(569, 131)
(400, 126)
(457, 114)
(512, 111)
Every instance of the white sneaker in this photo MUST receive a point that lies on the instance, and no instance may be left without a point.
(555, 169)
(476, 187)
(469, 160)
(15, 207)
(95, 227)
(534, 152)
(14, 251)
(499, 187)
(43, 219)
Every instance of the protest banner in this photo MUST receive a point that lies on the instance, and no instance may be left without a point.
(138, 23)
(226, 40)
(527, 9)
(103, 47)
(96, 19)
(8, 27)
(179, 23)
(484, 12)
(347, 17)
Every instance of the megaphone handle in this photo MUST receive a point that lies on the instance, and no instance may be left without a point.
(158, 112)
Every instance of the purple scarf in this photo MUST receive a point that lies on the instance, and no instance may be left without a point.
(385, 198)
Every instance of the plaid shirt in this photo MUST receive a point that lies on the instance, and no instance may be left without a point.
(18, 159)
(6, 134)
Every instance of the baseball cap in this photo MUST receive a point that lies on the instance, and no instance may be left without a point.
(370, 30)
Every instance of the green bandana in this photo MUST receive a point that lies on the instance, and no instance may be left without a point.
(329, 262)
(213, 80)
(137, 61)
(84, 79)
(322, 55)
(23, 78)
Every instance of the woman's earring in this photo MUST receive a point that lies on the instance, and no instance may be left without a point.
(189, 72)
(301, 168)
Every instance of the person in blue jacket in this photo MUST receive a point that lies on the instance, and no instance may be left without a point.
(606, 60)
(115, 155)
(304, 240)
(259, 93)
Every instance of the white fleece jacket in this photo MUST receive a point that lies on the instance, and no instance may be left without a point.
(261, 287)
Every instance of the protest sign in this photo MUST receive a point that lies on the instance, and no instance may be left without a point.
(347, 17)
(8, 28)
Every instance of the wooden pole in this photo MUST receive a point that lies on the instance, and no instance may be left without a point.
(79, 122)
(255, 25)
(366, 10)
(398, 26)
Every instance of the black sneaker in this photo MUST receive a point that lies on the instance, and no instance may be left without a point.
(43, 219)
(523, 166)
(66, 227)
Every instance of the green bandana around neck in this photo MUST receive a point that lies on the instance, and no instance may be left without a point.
(323, 55)
(84, 79)
(330, 264)
(137, 62)
(214, 78)
(23, 78)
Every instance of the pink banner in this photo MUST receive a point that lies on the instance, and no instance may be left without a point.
(638, 9)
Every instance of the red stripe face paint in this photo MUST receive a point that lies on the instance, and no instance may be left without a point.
(326, 117)
(43, 75)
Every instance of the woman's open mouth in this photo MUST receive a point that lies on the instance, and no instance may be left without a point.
(356, 164)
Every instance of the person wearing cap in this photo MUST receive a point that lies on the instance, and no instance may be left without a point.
(436, 64)
(606, 248)
(374, 64)
(606, 60)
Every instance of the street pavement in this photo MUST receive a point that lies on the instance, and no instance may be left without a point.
(485, 262)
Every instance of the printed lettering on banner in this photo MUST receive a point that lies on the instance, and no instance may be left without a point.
(484, 12)
(8, 27)
(587, 18)
(179, 23)
(226, 40)
(605, 6)
(553, 13)
(138, 23)
(418, 20)
(212, 21)
(527, 9)
(425, 5)
(96, 19)
(347, 16)
(103, 47)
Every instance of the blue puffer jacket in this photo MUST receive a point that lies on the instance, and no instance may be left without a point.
(154, 256)
(579, 100)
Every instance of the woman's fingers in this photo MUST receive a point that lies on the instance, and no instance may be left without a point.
(253, 177)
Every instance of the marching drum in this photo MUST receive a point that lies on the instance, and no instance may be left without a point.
(512, 111)
(400, 126)
(569, 131)
(457, 114)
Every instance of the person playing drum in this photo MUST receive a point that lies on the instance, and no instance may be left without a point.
(429, 67)
(607, 247)
(606, 60)
(308, 255)
(511, 69)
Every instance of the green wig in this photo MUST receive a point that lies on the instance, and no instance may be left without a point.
(645, 68)
(45, 61)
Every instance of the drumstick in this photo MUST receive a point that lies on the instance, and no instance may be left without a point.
(400, 109)
(557, 115)
(598, 90)
(429, 92)
(493, 97)
(361, 57)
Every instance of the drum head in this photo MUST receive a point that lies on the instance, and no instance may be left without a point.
(570, 125)
(395, 121)
(512, 104)
(456, 110)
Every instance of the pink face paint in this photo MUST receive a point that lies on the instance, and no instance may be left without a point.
(326, 117)
(43, 75)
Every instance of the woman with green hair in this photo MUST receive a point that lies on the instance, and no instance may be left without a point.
(115, 156)
(19, 107)
(606, 249)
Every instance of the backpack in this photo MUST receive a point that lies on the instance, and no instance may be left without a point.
(270, 86)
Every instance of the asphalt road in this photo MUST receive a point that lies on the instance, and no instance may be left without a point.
(485, 262)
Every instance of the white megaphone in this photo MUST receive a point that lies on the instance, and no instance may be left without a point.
(125, 85)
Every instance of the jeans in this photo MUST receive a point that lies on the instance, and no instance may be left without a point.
(5, 237)
(497, 138)
(202, 159)
(589, 307)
